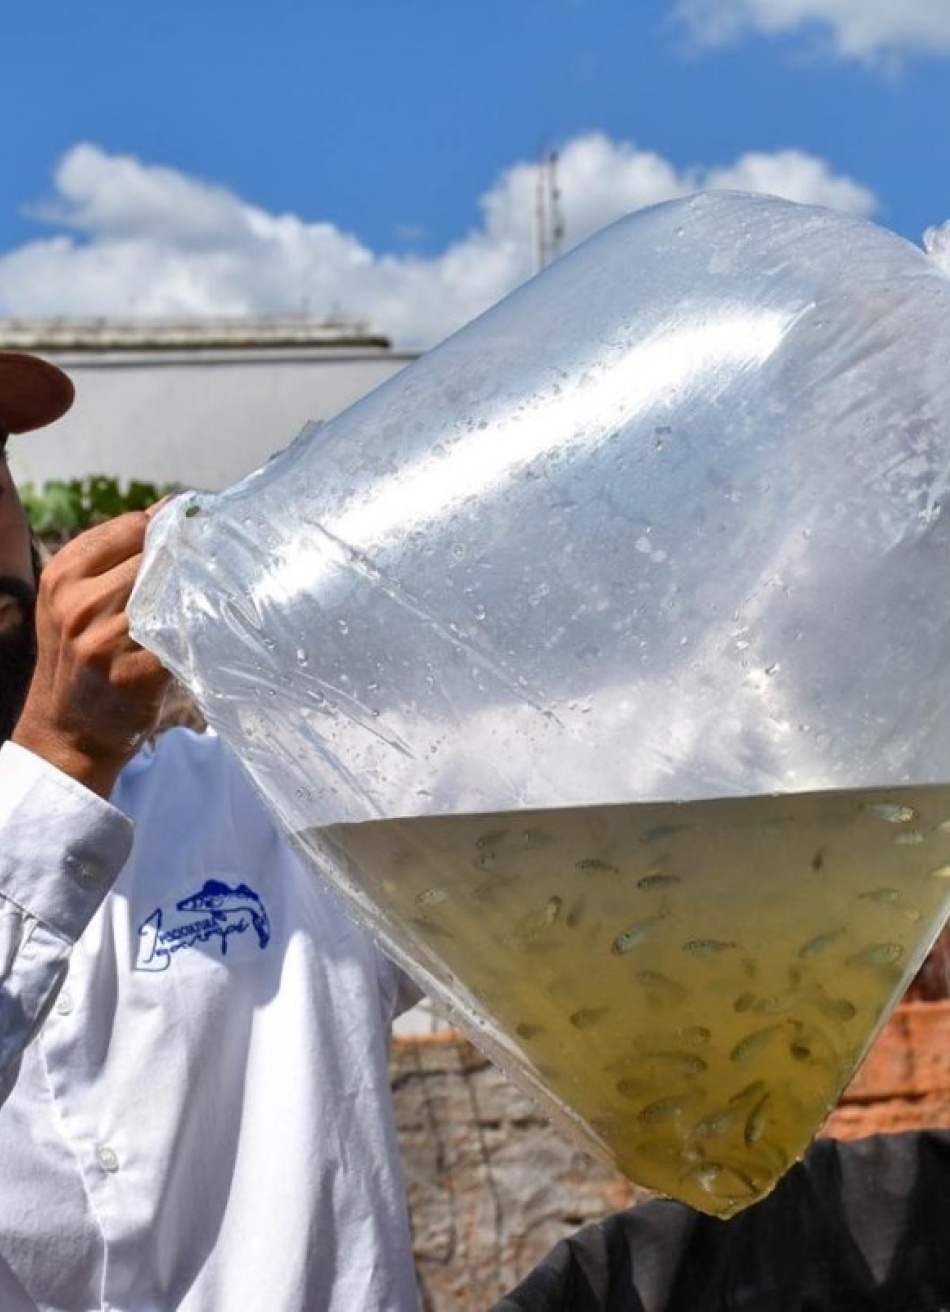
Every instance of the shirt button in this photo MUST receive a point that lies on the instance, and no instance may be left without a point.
(64, 1003)
(108, 1158)
(86, 873)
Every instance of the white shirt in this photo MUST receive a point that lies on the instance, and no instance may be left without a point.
(203, 1122)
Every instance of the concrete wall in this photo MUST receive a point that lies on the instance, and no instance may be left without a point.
(202, 419)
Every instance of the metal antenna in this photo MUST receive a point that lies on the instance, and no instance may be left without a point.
(540, 219)
(549, 222)
(557, 220)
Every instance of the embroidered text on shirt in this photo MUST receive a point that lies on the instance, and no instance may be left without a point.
(221, 911)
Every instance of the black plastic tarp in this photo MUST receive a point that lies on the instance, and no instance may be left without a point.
(854, 1227)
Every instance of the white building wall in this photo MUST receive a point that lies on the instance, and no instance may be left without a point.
(199, 418)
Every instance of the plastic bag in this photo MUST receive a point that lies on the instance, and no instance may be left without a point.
(601, 659)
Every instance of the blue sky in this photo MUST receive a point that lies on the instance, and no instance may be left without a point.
(375, 158)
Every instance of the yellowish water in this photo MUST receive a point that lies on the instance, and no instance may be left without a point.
(695, 982)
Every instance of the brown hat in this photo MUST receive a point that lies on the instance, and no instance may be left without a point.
(33, 392)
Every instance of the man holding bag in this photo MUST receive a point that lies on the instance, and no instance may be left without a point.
(193, 1035)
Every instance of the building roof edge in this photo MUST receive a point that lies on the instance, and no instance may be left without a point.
(78, 335)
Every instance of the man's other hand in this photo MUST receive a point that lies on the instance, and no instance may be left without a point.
(96, 694)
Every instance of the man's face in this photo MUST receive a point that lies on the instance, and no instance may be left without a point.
(17, 602)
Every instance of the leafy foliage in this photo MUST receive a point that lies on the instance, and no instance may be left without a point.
(58, 509)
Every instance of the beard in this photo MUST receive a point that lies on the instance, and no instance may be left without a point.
(17, 655)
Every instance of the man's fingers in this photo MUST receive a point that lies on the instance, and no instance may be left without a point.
(107, 641)
(95, 691)
(153, 510)
(144, 669)
(76, 603)
(102, 548)
(119, 581)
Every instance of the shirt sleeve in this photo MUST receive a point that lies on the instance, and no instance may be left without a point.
(398, 990)
(61, 849)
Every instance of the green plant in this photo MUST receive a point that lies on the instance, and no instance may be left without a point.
(59, 509)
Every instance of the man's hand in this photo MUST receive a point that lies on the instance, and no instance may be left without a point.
(95, 694)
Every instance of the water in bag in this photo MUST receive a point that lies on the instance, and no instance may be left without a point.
(601, 660)
(697, 1040)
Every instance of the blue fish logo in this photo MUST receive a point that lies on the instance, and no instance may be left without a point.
(216, 911)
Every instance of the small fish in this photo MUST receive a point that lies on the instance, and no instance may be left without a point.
(709, 1175)
(493, 839)
(633, 936)
(632, 1087)
(659, 984)
(687, 1064)
(695, 1036)
(708, 947)
(821, 943)
(725, 1182)
(834, 1008)
(818, 861)
(754, 1090)
(432, 897)
(552, 910)
(885, 896)
(650, 883)
(718, 1123)
(809, 1044)
(536, 924)
(586, 1018)
(776, 1004)
(594, 865)
(877, 954)
(527, 1030)
(893, 813)
(755, 1124)
(755, 1043)
(664, 1109)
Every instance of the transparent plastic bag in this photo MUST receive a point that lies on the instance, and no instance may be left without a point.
(601, 659)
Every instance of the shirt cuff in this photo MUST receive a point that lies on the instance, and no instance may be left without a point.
(61, 846)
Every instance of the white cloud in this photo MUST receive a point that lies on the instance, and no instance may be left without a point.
(139, 239)
(866, 30)
(796, 176)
